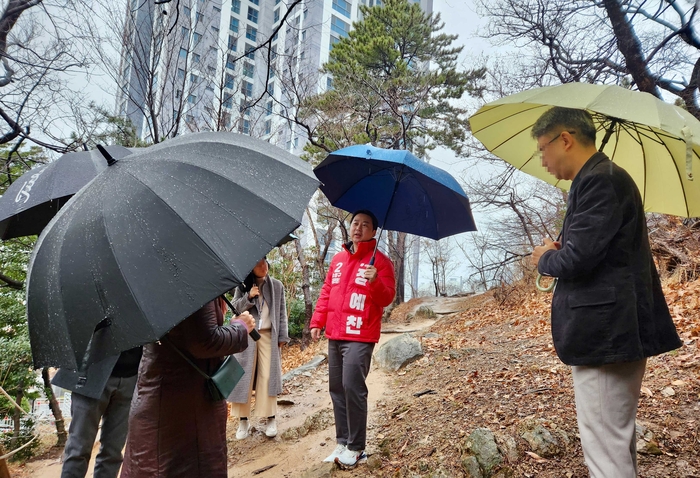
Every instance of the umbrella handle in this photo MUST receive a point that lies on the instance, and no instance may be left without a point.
(542, 288)
(254, 334)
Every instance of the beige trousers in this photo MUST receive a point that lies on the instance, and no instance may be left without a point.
(265, 405)
(606, 407)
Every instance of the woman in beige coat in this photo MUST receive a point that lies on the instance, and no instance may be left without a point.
(263, 297)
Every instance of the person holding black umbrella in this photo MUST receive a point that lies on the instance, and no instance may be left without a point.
(175, 428)
(359, 284)
(608, 311)
(263, 297)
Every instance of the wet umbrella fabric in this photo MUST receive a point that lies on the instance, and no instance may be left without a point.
(657, 143)
(35, 197)
(155, 237)
(405, 193)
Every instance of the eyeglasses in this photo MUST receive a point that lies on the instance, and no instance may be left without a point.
(540, 149)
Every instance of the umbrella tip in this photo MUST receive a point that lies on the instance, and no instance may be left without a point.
(108, 157)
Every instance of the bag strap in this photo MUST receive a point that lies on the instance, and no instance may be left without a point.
(167, 341)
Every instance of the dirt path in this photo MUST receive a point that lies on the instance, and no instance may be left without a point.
(307, 395)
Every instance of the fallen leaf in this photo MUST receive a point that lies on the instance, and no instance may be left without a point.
(646, 391)
(536, 457)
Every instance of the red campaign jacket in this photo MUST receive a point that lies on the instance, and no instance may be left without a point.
(349, 306)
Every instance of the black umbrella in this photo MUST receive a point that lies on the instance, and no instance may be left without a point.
(155, 237)
(35, 197)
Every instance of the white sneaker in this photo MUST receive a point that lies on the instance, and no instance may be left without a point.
(338, 450)
(271, 430)
(243, 428)
(349, 459)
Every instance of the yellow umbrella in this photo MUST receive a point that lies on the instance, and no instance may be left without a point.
(657, 143)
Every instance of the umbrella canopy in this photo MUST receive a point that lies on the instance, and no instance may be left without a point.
(35, 197)
(153, 238)
(657, 143)
(405, 193)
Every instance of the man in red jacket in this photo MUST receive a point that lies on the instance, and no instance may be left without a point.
(350, 307)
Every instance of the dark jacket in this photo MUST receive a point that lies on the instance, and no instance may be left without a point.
(125, 364)
(608, 306)
(175, 429)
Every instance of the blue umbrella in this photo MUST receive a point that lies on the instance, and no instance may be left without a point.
(405, 193)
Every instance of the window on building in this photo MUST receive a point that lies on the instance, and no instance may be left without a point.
(187, 11)
(268, 126)
(216, 9)
(276, 16)
(183, 53)
(268, 108)
(249, 51)
(246, 88)
(196, 37)
(255, 2)
(329, 83)
(244, 107)
(333, 41)
(231, 62)
(342, 6)
(178, 93)
(232, 43)
(236, 6)
(211, 69)
(233, 25)
(215, 29)
(199, 17)
(251, 33)
(189, 119)
(228, 101)
(271, 72)
(196, 58)
(245, 126)
(229, 81)
(252, 15)
(192, 99)
(339, 26)
(271, 89)
(180, 74)
(194, 79)
(276, 35)
(303, 35)
(185, 32)
(273, 52)
(248, 69)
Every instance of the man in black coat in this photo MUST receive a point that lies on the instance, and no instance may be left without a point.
(608, 310)
(102, 401)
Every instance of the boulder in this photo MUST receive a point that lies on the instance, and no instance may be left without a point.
(482, 445)
(398, 352)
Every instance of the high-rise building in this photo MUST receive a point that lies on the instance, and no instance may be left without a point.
(201, 65)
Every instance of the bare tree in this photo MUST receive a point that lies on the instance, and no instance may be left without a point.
(652, 45)
(439, 256)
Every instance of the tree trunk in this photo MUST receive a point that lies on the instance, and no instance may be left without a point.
(17, 416)
(400, 267)
(55, 409)
(631, 48)
(306, 289)
(4, 471)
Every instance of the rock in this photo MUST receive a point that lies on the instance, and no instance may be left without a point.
(482, 445)
(320, 470)
(471, 467)
(398, 352)
(315, 362)
(541, 440)
(374, 462)
(508, 447)
(668, 392)
(648, 448)
(505, 472)
(431, 335)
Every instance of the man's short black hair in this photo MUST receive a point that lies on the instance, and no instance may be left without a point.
(375, 222)
(558, 119)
